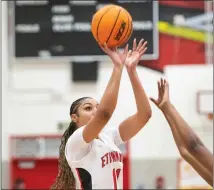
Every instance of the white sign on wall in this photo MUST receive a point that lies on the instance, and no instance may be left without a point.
(189, 178)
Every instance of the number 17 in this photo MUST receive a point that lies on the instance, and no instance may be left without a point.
(115, 173)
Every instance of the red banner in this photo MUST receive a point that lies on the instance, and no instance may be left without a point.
(194, 4)
(177, 51)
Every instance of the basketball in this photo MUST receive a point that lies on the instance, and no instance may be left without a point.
(112, 24)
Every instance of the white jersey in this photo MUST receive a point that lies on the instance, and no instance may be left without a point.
(96, 165)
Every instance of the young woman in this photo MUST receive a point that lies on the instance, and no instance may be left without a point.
(89, 158)
(189, 145)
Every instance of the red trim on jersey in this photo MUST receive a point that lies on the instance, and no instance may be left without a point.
(80, 180)
(114, 179)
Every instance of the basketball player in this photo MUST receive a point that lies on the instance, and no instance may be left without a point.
(189, 145)
(89, 158)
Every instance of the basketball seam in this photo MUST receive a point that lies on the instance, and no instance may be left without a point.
(114, 25)
(100, 21)
(122, 40)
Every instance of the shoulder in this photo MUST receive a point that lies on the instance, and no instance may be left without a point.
(76, 141)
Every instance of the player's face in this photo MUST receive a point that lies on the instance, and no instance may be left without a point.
(86, 111)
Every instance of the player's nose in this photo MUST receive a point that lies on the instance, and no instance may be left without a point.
(94, 111)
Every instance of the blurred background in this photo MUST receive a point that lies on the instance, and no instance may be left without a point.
(50, 58)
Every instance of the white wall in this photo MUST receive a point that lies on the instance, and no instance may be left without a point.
(27, 115)
(185, 82)
(38, 111)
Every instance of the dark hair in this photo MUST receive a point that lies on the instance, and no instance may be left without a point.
(17, 182)
(65, 178)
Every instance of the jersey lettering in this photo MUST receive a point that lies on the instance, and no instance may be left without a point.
(110, 157)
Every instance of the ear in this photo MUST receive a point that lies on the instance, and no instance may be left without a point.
(74, 118)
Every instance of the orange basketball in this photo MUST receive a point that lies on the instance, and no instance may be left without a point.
(112, 24)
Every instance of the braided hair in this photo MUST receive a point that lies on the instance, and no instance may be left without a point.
(65, 178)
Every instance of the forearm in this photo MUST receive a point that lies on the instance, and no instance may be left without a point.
(106, 107)
(142, 102)
(110, 96)
(199, 168)
(190, 140)
(187, 135)
(202, 171)
(175, 134)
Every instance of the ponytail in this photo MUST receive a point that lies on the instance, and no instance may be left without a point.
(65, 178)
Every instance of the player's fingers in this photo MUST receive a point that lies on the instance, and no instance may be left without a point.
(106, 47)
(162, 86)
(126, 49)
(140, 44)
(154, 101)
(162, 82)
(159, 87)
(114, 49)
(160, 90)
(141, 53)
(101, 46)
(129, 53)
(134, 45)
(166, 85)
(143, 47)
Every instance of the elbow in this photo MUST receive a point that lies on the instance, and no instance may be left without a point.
(183, 152)
(144, 118)
(148, 114)
(185, 155)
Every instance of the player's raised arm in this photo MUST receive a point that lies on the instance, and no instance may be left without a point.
(202, 171)
(109, 100)
(190, 140)
(132, 125)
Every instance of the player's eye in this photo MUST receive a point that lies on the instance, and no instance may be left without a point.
(88, 108)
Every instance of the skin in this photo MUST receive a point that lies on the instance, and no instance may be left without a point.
(86, 111)
(133, 124)
(189, 145)
(95, 117)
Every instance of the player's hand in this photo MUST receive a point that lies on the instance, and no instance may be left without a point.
(134, 55)
(163, 94)
(118, 58)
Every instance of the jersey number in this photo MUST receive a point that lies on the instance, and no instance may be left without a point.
(115, 173)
